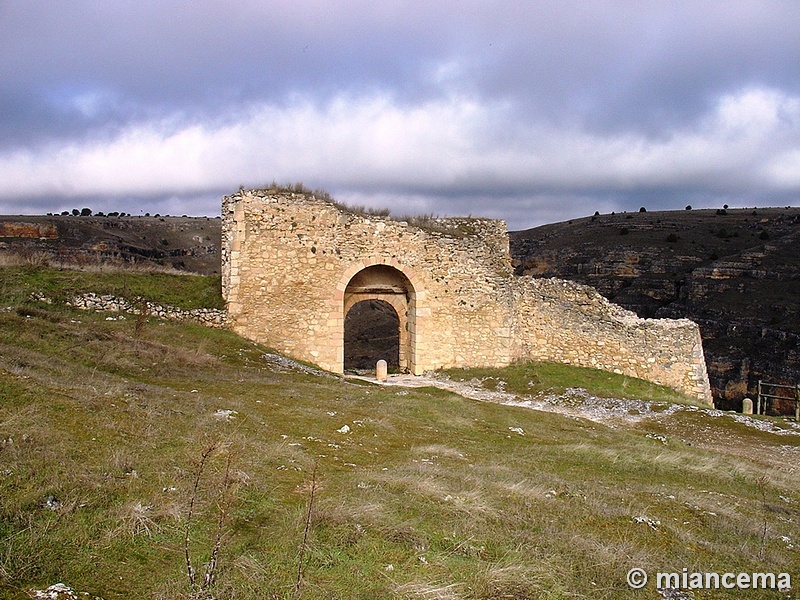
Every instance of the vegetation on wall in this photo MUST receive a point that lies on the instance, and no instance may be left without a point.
(459, 227)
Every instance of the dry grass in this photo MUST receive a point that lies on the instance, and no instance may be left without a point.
(428, 591)
(83, 263)
(135, 518)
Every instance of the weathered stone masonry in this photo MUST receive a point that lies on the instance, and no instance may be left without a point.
(293, 265)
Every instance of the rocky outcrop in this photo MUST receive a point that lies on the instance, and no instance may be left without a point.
(60, 591)
(42, 231)
(184, 243)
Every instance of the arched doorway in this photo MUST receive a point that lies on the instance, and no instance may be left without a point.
(371, 333)
(379, 308)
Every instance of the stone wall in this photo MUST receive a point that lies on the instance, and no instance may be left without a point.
(574, 324)
(292, 264)
(210, 317)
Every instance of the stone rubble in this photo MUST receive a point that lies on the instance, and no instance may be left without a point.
(60, 591)
(210, 317)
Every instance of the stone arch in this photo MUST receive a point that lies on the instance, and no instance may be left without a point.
(388, 283)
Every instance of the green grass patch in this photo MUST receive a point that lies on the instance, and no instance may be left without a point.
(182, 291)
(530, 378)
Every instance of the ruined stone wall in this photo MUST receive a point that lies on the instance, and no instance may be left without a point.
(288, 258)
(210, 317)
(567, 322)
(289, 266)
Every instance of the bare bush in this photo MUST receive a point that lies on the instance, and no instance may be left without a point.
(136, 519)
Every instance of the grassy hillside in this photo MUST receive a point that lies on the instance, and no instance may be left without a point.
(118, 437)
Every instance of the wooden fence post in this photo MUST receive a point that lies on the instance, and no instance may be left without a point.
(758, 408)
(797, 402)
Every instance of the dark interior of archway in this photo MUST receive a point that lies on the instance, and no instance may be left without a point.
(371, 333)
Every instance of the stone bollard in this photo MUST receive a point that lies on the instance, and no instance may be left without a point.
(381, 370)
(747, 406)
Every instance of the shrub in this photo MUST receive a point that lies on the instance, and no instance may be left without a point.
(624, 231)
(672, 238)
(688, 207)
(297, 187)
(642, 209)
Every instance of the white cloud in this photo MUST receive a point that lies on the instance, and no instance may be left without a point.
(784, 171)
(756, 111)
(379, 149)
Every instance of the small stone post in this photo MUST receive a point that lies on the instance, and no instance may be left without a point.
(381, 370)
(747, 406)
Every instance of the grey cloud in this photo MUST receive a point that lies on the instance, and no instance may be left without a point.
(509, 108)
(608, 65)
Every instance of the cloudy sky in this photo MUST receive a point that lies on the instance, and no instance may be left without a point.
(532, 112)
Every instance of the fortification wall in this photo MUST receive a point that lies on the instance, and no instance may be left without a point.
(293, 263)
(288, 259)
(566, 322)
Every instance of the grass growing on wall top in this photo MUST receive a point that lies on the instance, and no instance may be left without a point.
(428, 495)
(459, 227)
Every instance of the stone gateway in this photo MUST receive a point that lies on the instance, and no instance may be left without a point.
(294, 266)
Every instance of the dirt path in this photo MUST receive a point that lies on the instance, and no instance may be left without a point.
(577, 402)
(780, 451)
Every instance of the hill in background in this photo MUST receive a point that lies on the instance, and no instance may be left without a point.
(184, 243)
(736, 272)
